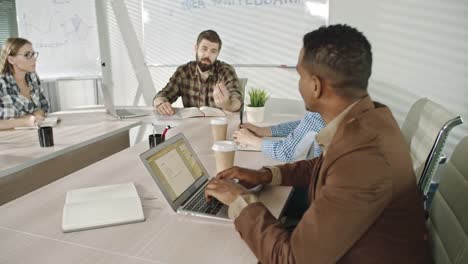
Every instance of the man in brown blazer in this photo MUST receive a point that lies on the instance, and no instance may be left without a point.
(364, 205)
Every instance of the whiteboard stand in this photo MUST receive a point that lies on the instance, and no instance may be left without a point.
(104, 46)
(143, 75)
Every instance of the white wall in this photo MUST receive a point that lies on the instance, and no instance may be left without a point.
(419, 50)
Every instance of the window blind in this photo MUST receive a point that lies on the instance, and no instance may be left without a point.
(8, 26)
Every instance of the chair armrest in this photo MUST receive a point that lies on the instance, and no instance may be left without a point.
(442, 159)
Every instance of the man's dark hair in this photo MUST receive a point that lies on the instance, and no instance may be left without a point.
(342, 56)
(211, 36)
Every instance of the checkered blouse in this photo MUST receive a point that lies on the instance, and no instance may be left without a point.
(13, 104)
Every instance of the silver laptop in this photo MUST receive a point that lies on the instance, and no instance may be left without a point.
(120, 113)
(182, 178)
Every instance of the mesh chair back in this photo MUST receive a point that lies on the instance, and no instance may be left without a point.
(426, 129)
(448, 216)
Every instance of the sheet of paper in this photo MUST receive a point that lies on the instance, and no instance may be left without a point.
(175, 172)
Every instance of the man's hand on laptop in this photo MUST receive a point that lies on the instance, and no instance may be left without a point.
(246, 177)
(225, 191)
(165, 108)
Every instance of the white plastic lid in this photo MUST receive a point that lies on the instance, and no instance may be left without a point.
(224, 146)
(218, 121)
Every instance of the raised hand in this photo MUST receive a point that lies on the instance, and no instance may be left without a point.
(221, 95)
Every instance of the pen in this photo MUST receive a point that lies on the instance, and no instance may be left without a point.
(241, 114)
(164, 132)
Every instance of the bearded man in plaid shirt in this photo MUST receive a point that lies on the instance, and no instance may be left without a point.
(204, 82)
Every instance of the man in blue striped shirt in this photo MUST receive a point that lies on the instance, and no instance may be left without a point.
(299, 143)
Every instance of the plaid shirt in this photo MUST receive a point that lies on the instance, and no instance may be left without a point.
(13, 104)
(299, 143)
(187, 83)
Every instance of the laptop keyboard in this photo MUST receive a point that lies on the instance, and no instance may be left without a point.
(198, 204)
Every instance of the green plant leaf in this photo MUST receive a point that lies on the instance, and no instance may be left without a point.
(258, 97)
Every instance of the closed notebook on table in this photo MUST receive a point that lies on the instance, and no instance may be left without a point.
(101, 206)
(48, 121)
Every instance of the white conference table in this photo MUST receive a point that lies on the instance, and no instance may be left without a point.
(30, 226)
(82, 137)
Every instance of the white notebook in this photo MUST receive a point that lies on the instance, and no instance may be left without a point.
(101, 206)
(48, 121)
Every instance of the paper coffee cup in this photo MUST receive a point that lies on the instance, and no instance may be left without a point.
(224, 154)
(219, 128)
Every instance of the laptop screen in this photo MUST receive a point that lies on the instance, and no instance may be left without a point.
(175, 167)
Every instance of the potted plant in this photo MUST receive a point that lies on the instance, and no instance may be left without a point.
(256, 108)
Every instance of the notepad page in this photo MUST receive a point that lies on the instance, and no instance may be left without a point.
(101, 192)
(101, 206)
(48, 121)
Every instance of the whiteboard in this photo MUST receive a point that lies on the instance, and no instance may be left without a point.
(253, 32)
(64, 32)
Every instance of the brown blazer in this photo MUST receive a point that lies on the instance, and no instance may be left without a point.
(364, 205)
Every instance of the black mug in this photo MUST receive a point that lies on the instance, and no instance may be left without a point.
(46, 136)
(155, 139)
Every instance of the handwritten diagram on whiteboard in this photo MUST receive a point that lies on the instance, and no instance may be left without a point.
(65, 34)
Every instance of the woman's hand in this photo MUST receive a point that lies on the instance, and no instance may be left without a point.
(28, 121)
(246, 137)
(256, 130)
(40, 115)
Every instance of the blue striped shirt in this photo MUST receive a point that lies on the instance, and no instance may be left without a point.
(300, 138)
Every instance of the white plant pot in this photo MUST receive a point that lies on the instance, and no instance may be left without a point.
(255, 114)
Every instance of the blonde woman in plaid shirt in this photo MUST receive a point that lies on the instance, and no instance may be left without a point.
(22, 102)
